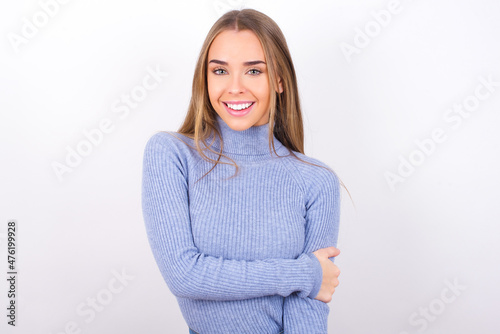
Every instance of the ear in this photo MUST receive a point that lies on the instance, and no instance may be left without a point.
(280, 86)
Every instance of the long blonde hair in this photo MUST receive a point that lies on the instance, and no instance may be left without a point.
(285, 117)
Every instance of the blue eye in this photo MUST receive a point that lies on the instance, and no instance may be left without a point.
(221, 71)
(217, 71)
(255, 71)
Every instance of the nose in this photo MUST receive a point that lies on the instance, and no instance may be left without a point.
(236, 85)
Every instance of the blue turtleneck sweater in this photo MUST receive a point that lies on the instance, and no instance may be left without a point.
(237, 253)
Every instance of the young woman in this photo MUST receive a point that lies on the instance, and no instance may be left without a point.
(242, 224)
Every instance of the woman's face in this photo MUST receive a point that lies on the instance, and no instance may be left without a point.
(238, 85)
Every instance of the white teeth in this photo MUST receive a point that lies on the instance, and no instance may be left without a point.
(239, 106)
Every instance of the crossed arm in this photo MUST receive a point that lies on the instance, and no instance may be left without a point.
(308, 315)
(192, 274)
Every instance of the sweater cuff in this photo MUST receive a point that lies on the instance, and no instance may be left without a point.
(318, 274)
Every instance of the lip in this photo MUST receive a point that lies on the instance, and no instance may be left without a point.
(238, 113)
(237, 102)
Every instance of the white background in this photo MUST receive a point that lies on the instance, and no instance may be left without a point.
(362, 114)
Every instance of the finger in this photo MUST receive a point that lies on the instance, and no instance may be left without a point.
(332, 251)
(336, 270)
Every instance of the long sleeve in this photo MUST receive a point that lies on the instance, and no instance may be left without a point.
(190, 273)
(308, 315)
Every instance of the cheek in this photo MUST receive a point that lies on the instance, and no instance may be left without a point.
(260, 89)
(218, 85)
(263, 93)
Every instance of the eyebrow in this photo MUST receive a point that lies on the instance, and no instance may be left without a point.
(247, 63)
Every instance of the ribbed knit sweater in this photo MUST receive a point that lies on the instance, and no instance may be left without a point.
(237, 253)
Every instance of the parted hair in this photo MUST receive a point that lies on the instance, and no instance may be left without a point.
(285, 116)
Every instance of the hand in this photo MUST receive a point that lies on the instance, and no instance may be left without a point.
(330, 273)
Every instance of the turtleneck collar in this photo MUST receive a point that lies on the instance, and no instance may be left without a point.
(252, 143)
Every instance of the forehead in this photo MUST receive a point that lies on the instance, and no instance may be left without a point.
(236, 46)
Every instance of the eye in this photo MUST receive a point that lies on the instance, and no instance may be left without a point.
(218, 71)
(254, 71)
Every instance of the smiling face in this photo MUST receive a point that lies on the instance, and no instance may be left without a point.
(237, 78)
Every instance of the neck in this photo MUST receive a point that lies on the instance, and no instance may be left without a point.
(252, 142)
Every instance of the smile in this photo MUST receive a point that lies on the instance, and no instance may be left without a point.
(237, 108)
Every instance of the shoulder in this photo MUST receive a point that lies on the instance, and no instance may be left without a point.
(313, 174)
(168, 144)
(167, 139)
